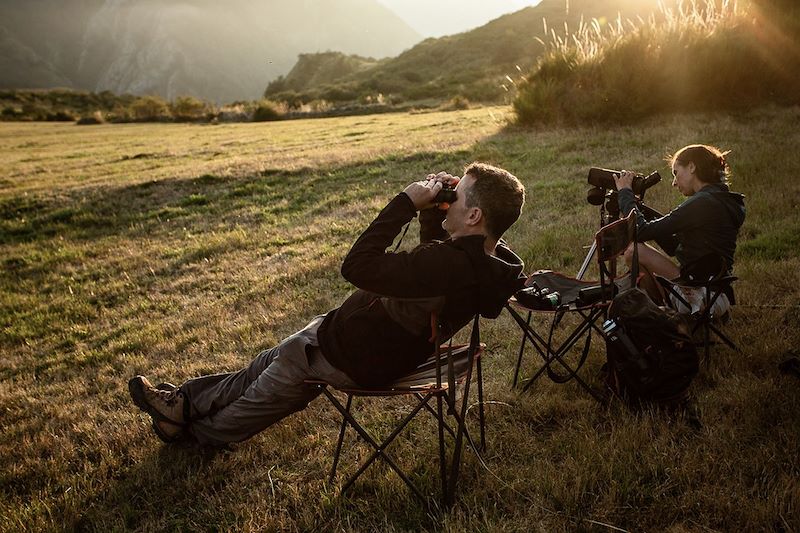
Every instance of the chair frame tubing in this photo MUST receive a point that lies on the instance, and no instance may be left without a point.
(607, 264)
(550, 355)
(704, 320)
(446, 405)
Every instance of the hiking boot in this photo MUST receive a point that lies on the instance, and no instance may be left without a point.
(162, 405)
(167, 431)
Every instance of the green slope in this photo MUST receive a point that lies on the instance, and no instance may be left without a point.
(473, 64)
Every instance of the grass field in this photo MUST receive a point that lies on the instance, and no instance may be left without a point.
(176, 250)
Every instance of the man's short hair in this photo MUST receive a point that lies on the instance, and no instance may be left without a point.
(499, 195)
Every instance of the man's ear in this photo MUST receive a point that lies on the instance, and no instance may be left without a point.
(475, 216)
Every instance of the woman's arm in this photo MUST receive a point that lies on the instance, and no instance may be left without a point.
(686, 215)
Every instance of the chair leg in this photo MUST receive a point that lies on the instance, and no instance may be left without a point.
(442, 453)
(724, 338)
(341, 440)
(711, 326)
(521, 351)
(706, 318)
(435, 414)
(379, 448)
(455, 465)
(481, 412)
(588, 323)
(528, 335)
(449, 430)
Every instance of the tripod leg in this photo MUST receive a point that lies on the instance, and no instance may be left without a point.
(587, 260)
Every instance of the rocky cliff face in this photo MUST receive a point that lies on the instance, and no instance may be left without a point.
(222, 51)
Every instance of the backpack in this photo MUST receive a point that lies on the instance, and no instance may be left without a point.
(651, 356)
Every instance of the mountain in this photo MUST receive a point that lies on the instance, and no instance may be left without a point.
(472, 64)
(220, 51)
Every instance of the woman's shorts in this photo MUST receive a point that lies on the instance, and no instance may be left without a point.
(696, 298)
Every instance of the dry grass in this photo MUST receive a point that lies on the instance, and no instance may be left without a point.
(691, 55)
(175, 250)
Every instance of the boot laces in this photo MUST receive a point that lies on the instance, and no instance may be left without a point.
(166, 397)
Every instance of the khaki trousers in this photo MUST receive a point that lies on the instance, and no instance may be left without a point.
(234, 406)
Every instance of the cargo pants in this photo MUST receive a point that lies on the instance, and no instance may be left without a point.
(234, 406)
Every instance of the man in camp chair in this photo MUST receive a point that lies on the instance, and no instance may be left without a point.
(383, 330)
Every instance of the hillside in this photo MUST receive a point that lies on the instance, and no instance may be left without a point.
(217, 51)
(317, 70)
(473, 64)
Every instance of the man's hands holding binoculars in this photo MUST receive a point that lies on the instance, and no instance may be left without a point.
(435, 190)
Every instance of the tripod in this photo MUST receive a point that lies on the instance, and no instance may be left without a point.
(609, 212)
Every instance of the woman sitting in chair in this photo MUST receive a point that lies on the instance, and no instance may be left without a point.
(705, 224)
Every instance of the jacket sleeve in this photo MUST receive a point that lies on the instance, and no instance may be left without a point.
(422, 272)
(662, 229)
(430, 225)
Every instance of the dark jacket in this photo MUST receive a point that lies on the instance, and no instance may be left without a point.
(383, 330)
(706, 222)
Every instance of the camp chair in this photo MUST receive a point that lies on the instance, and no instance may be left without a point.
(711, 274)
(433, 382)
(587, 300)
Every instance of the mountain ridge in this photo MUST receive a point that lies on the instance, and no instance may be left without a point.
(475, 64)
(217, 52)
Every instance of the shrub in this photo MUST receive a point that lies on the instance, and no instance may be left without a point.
(94, 118)
(120, 113)
(457, 102)
(319, 106)
(189, 108)
(60, 116)
(149, 108)
(10, 113)
(339, 93)
(31, 111)
(266, 111)
(236, 112)
(703, 56)
(291, 99)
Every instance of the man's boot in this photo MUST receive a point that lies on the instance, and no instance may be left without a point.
(167, 431)
(165, 406)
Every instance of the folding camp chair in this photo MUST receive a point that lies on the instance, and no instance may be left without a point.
(432, 382)
(586, 300)
(711, 274)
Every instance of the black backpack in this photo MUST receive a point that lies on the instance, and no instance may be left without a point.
(651, 357)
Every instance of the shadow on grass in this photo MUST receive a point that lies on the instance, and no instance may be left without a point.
(271, 196)
(160, 491)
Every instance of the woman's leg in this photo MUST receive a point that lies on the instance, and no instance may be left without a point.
(651, 262)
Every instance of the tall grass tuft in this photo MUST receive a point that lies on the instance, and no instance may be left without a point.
(699, 55)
